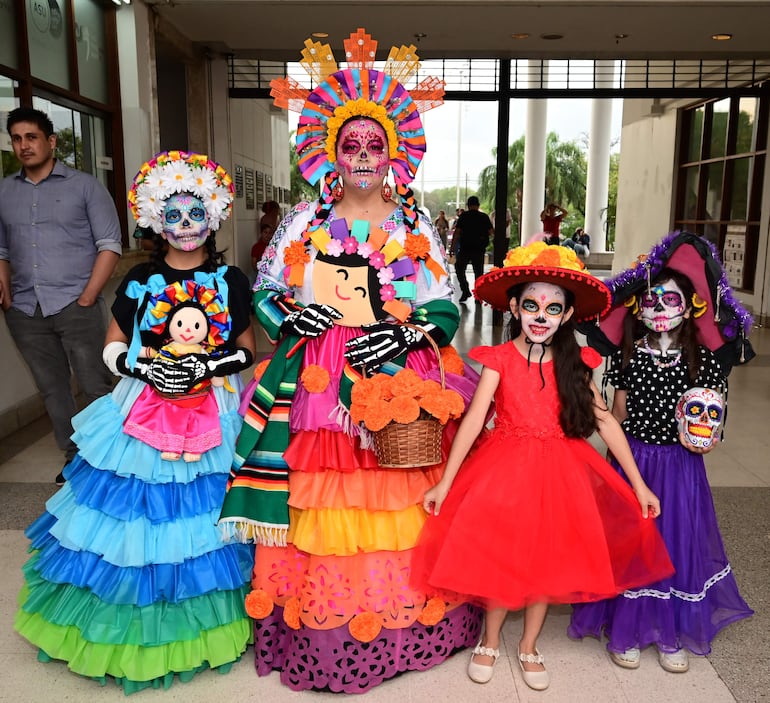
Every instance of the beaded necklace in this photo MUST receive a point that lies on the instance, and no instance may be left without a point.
(657, 356)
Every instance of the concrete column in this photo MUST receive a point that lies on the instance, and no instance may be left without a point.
(534, 160)
(598, 177)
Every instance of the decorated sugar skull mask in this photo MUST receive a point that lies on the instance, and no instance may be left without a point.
(699, 414)
(663, 308)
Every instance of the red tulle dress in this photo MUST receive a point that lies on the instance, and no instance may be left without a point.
(535, 516)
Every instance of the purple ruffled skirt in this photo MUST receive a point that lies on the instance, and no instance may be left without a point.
(690, 608)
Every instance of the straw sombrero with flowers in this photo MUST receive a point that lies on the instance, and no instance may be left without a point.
(546, 264)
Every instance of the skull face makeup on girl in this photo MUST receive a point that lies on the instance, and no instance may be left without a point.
(663, 308)
(185, 223)
(541, 308)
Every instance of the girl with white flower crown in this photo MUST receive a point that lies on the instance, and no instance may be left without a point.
(130, 578)
(532, 514)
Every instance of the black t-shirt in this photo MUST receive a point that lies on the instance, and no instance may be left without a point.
(238, 301)
(474, 227)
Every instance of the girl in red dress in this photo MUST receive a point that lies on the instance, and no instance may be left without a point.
(552, 522)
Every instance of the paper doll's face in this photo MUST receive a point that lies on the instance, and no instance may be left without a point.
(188, 325)
(346, 289)
(185, 222)
(663, 308)
(542, 308)
(362, 154)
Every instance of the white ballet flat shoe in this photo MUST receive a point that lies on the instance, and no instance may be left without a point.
(482, 673)
(674, 662)
(536, 680)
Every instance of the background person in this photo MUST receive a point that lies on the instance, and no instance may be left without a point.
(59, 244)
(473, 233)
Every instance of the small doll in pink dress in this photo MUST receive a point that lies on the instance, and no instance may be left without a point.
(179, 425)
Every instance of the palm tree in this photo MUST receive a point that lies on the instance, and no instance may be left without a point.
(565, 177)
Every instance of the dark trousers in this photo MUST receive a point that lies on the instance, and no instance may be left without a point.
(51, 346)
(476, 260)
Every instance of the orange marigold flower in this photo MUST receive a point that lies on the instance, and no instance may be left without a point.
(291, 613)
(260, 368)
(405, 409)
(258, 604)
(416, 246)
(429, 388)
(377, 415)
(452, 361)
(548, 257)
(406, 382)
(365, 626)
(315, 378)
(455, 403)
(366, 390)
(357, 413)
(296, 253)
(435, 406)
(433, 612)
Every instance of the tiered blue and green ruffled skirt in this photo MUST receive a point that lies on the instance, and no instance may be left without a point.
(129, 577)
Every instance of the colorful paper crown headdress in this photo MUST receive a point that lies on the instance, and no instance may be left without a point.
(358, 91)
(540, 262)
(173, 172)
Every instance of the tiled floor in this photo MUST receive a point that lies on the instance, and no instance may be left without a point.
(580, 671)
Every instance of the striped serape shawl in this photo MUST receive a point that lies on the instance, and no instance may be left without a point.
(256, 504)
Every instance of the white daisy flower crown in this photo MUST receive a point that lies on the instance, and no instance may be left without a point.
(173, 172)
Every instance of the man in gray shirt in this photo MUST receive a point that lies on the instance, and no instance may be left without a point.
(59, 244)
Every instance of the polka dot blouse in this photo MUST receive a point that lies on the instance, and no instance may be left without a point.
(652, 392)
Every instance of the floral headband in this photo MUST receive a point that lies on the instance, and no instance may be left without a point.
(173, 172)
(358, 91)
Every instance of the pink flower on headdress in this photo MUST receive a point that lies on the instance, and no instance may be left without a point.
(334, 247)
(350, 245)
(385, 275)
(377, 260)
(365, 249)
(387, 292)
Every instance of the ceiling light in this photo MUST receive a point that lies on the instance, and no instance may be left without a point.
(320, 35)
(420, 35)
(620, 35)
(520, 35)
(722, 36)
(551, 37)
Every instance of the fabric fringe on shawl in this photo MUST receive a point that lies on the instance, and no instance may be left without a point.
(256, 503)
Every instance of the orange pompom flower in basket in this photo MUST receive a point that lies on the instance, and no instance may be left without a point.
(405, 415)
(453, 362)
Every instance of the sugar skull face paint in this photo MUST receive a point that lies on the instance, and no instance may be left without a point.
(362, 154)
(663, 308)
(699, 415)
(185, 223)
(542, 308)
(188, 325)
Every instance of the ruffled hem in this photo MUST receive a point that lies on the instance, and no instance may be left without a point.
(137, 542)
(343, 532)
(384, 489)
(225, 569)
(64, 605)
(217, 647)
(103, 444)
(334, 660)
(128, 497)
(322, 450)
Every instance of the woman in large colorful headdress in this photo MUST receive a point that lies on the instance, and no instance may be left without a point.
(675, 329)
(129, 576)
(351, 284)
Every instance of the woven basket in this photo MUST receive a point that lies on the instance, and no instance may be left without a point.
(405, 446)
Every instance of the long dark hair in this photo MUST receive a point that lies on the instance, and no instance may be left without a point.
(214, 258)
(573, 376)
(684, 337)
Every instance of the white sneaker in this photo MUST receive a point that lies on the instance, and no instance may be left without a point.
(674, 662)
(629, 659)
